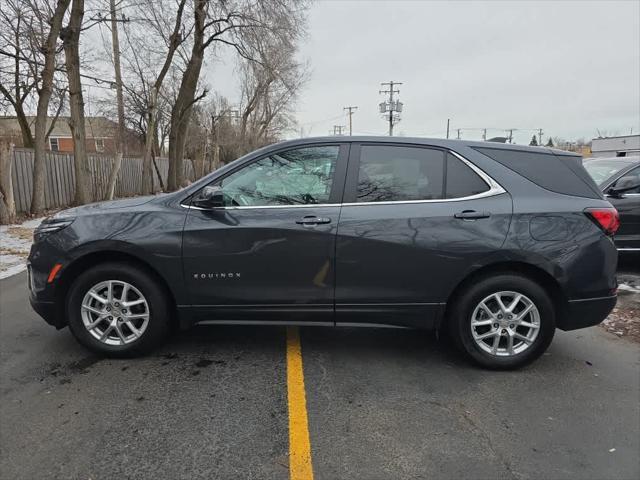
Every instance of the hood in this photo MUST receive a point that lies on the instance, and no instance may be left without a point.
(93, 208)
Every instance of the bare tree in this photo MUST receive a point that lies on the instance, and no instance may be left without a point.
(45, 90)
(70, 36)
(17, 80)
(269, 86)
(7, 201)
(224, 23)
(151, 91)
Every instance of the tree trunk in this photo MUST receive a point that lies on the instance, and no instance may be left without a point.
(70, 36)
(44, 96)
(181, 111)
(7, 201)
(147, 179)
(180, 115)
(120, 144)
(25, 130)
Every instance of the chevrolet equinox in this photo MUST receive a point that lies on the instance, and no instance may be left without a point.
(497, 245)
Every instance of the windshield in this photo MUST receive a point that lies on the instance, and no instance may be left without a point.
(601, 170)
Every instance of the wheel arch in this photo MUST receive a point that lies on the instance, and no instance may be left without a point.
(528, 270)
(80, 264)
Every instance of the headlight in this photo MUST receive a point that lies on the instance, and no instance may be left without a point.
(51, 225)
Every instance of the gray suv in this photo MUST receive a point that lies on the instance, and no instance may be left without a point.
(498, 245)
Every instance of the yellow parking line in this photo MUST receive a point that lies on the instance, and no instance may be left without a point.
(300, 467)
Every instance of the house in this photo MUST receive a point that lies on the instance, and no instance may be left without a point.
(621, 146)
(100, 135)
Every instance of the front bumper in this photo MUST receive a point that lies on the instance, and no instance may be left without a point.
(586, 312)
(48, 311)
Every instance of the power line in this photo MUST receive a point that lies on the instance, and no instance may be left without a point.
(390, 108)
(350, 110)
(57, 69)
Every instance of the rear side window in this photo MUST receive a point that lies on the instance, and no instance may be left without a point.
(398, 173)
(461, 180)
(561, 174)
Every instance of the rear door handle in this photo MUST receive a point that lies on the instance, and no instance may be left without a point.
(313, 220)
(471, 215)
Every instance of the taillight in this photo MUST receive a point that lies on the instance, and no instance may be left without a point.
(606, 218)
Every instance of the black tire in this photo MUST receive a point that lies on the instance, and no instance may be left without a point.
(159, 311)
(462, 308)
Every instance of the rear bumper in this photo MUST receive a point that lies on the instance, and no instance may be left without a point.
(586, 312)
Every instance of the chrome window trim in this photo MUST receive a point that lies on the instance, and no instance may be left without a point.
(494, 189)
(264, 207)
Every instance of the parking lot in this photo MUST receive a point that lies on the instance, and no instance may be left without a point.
(381, 404)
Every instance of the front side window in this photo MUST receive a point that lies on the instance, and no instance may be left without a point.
(398, 173)
(300, 176)
(629, 179)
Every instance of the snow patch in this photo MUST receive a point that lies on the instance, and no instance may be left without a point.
(15, 243)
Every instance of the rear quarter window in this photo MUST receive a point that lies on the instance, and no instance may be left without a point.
(461, 180)
(557, 173)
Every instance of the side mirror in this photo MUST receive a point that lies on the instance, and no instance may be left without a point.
(210, 197)
(624, 184)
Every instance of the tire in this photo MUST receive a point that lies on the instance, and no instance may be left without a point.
(467, 316)
(138, 329)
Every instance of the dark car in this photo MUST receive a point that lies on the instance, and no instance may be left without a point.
(619, 179)
(496, 244)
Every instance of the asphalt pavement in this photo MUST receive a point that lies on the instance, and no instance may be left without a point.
(382, 404)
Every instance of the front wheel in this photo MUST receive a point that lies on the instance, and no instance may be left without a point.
(503, 322)
(117, 310)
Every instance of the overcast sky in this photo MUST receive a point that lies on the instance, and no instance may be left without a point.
(567, 67)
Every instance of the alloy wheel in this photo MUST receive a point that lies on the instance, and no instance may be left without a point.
(505, 323)
(115, 312)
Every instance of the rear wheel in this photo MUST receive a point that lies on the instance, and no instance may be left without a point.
(503, 322)
(117, 310)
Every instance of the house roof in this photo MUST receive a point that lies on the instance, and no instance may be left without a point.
(96, 127)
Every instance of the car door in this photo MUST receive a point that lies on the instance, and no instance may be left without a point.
(627, 237)
(413, 222)
(269, 252)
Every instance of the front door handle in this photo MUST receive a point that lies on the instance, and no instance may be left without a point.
(313, 220)
(471, 215)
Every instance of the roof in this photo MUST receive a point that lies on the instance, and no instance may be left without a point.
(436, 142)
(96, 127)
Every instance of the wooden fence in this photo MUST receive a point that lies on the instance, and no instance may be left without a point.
(59, 188)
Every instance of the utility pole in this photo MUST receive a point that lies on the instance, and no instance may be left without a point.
(350, 110)
(510, 135)
(458, 134)
(390, 107)
(484, 134)
(448, 119)
(540, 132)
(337, 129)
